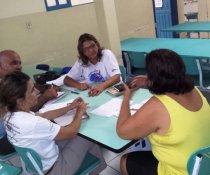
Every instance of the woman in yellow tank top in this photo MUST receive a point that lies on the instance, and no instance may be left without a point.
(176, 119)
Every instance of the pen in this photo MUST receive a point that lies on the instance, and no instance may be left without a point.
(74, 92)
(133, 109)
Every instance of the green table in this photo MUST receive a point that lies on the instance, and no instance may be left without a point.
(99, 128)
(197, 49)
(198, 26)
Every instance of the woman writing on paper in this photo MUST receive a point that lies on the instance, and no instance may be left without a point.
(95, 64)
(176, 119)
(59, 148)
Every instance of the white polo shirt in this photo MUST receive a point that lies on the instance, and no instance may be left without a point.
(100, 72)
(30, 131)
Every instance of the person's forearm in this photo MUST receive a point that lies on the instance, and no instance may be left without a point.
(111, 81)
(71, 82)
(124, 114)
(50, 115)
(72, 129)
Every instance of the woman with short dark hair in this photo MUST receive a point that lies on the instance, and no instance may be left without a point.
(175, 120)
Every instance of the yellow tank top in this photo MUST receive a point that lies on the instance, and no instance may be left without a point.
(188, 132)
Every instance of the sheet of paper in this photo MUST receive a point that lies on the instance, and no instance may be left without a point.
(55, 106)
(135, 107)
(65, 119)
(110, 108)
(69, 88)
(58, 81)
(59, 96)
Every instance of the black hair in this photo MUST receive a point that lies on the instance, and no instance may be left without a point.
(166, 73)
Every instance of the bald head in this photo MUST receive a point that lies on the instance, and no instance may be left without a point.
(9, 62)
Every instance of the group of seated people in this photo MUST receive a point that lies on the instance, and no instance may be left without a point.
(175, 119)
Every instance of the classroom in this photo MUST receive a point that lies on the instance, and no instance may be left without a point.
(46, 32)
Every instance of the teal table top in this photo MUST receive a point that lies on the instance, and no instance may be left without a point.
(102, 129)
(199, 26)
(198, 48)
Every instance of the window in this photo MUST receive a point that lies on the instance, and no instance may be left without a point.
(59, 4)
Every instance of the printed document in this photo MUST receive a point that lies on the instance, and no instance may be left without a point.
(65, 119)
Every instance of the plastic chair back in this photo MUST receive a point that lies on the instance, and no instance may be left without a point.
(43, 67)
(31, 161)
(7, 169)
(199, 162)
(137, 59)
(134, 63)
(5, 158)
(88, 164)
(191, 65)
(123, 72)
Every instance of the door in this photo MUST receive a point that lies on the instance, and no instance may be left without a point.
(166, 16)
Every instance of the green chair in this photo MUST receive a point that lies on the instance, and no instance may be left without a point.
(7, 169)
(199, 162)
(89, 163)
(31, 162)
(4, 158)
(123, 72)
(193, 67)
(134, 63)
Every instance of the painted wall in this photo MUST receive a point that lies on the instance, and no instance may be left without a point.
(51, 37)
(135, 18)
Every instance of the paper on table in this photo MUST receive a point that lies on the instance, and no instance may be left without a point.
(58, 81)
(59, 96)
(135, 107)
(65, 119)
(110, 108)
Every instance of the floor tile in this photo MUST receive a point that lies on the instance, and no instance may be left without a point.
(109, 171)
(108, 155)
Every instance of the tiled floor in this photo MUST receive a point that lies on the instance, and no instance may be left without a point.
(112, 159)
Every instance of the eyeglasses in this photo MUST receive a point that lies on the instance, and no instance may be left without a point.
(92, 46)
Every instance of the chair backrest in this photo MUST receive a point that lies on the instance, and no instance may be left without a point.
(199, 162)
(31, 161)
(7, 169)
(134, 63)
(5, 158)
(88, 164)
(137, 59)
(123, 72)
(43, 67)
(191, 65)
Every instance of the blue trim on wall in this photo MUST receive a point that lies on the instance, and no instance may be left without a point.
(57, 6)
